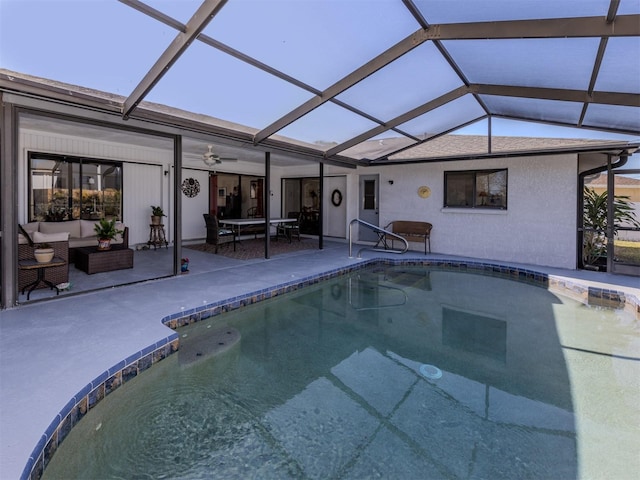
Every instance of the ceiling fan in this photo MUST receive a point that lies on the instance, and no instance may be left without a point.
(211, 159)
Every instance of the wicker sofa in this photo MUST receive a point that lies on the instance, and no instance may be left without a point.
(64, 237)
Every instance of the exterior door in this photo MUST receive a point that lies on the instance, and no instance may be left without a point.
(368, 206)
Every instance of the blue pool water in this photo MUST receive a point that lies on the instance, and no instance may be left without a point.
(391, 372)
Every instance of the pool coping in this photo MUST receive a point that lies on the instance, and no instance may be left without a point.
(120, 373)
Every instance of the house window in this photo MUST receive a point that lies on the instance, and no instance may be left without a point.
(69, 188)
(476, 189)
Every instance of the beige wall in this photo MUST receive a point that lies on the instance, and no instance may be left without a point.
(539, 226)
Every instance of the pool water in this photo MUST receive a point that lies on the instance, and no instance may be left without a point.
(390, 372)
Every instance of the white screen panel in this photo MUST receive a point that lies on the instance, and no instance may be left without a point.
(315, 42)
(448, 116)
(207, 81)
(534, 109)
(327, 125)
(462, 11)
(617, 73)
(378, 146)
(181, 10)
(613, 116)
(553, 63)
(91, 44)
(415, 78)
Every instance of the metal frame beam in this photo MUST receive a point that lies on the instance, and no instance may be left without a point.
(576, 27)
(385, 158)
(582, 96)
(611, 25)
(399, 120)
(385, 58)
(608, 98)
(171, 22)
(195, 25)
(557, 123)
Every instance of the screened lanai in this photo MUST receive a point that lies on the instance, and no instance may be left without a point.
(346, 84)
(325, 77)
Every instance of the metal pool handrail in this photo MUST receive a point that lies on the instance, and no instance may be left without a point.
(377, 307)
(381, 232)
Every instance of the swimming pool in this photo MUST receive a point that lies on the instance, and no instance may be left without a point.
(341, 380)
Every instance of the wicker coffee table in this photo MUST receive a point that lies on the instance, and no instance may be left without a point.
(91, 260)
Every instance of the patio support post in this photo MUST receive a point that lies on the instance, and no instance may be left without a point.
(9, 201)
(177, 202)
(266, 202)
(610, 211)
(321, 206)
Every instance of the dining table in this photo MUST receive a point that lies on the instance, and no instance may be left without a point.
(237, 224)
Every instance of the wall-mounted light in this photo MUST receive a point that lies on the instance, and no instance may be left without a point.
(390, 182)
(92, 181)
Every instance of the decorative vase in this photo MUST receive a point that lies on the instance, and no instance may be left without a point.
(104, 244)
(43, 255)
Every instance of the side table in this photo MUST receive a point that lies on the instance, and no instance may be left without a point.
(31, 264)
(157, 236)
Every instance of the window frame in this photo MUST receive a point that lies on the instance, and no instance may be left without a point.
(76, 177)
(449, 174)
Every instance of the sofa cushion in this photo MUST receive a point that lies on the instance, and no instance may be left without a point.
(39, 237)
(87, 228)
(31, 227)
(119, 226)
(73, 227)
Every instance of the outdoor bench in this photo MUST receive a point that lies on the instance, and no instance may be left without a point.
(412, 231)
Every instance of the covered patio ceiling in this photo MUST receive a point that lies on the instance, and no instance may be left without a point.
(331, 79)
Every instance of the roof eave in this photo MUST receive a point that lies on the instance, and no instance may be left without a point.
(615, 149)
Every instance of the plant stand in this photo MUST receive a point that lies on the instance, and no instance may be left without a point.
(157, 236)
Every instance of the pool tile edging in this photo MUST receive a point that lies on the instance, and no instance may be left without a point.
(89, 396)
(109, 380)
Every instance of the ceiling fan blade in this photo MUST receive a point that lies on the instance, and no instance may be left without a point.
(227, 159)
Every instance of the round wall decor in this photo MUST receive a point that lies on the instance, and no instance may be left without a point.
(336, 197)
(190, 187)
(424, 191)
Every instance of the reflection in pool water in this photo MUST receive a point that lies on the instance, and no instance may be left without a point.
(329, 382)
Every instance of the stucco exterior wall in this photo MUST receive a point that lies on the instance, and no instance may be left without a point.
(538, 227)
(145, 183)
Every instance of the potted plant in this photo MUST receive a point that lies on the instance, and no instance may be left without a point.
(594, 241)
(106, 231)
(156, 215)
(43, 253)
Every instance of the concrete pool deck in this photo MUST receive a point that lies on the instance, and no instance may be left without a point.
(51, 350)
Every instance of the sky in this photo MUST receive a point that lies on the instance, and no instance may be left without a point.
(64, 40)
